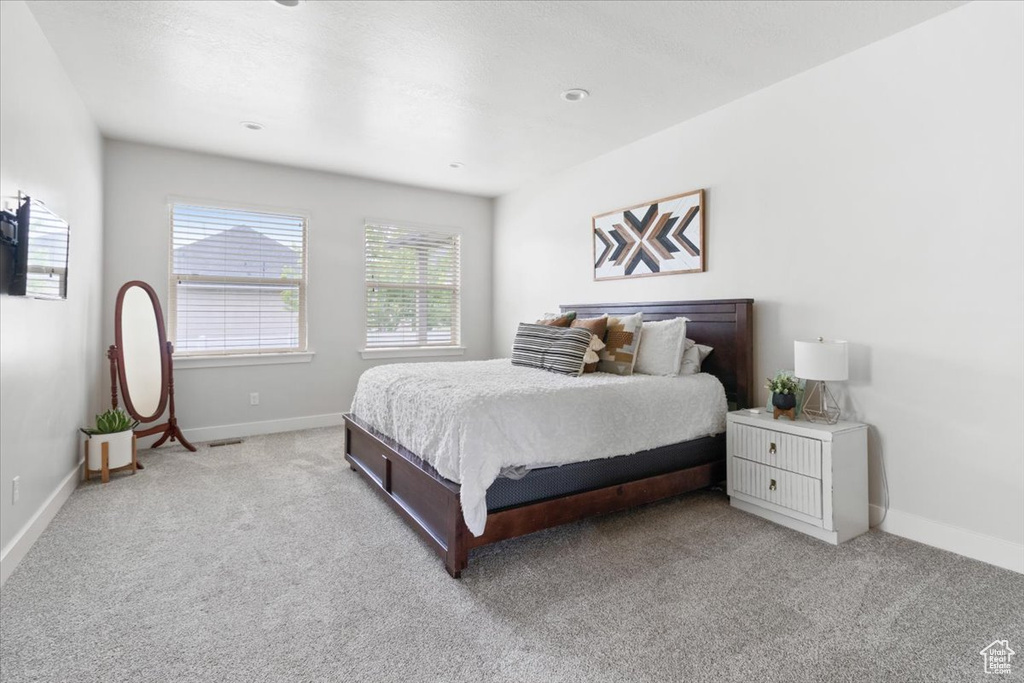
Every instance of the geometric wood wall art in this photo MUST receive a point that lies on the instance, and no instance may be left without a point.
(663, 237)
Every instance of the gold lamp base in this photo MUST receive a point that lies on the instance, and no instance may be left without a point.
(820, 405)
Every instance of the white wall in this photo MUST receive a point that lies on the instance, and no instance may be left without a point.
(876, 198)
(49, 350)
(140, 179)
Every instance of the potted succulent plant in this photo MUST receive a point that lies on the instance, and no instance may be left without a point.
(783, 388)
(115, 428)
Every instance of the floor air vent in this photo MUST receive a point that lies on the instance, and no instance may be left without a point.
(224, 442)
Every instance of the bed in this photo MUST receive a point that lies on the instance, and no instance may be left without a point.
(559, 487)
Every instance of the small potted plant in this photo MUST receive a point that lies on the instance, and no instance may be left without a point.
(783, 388)
(116, 429)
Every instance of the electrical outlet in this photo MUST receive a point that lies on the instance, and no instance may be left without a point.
(15, 489)
(254, 399)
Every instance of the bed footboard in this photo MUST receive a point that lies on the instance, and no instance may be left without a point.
(425, 499)
(430, 503)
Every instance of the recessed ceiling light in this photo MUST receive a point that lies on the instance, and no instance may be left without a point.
(575, 95)
(456, 164)
(288, 3)
(252, 125)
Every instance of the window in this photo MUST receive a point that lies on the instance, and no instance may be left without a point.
(238, 281)
(412, 288)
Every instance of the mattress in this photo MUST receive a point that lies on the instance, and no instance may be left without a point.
(564, 480)
(473, 420)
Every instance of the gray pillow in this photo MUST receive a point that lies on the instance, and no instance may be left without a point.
(693, 357)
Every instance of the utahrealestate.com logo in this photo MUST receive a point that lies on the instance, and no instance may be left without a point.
(997, 657)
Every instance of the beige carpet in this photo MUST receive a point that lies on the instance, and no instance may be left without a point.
(272, 561)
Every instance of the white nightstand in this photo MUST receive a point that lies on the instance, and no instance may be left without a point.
(806, 476)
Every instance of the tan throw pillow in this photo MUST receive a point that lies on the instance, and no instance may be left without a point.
(552, 320)
(598, 327)
(591, 358)
(621, 342)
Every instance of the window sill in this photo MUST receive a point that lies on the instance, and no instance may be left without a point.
(413, 352)
(229, 360)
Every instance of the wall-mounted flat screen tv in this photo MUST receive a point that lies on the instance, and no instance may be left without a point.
(36, 264)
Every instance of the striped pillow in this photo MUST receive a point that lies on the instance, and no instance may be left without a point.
(555, 349)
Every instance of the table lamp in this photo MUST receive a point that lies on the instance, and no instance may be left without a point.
(822, 361)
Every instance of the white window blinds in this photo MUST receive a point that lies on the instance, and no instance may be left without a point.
(238, 281)
(412, 288)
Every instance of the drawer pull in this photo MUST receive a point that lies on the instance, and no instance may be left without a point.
(771, 448)
(772, 486)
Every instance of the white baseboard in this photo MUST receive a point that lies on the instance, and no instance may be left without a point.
(290, 424)
(15, 551)
(997, 551)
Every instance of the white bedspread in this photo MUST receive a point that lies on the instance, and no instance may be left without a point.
(470, 420)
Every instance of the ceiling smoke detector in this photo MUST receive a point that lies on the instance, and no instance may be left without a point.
(456, 164)
(288, 3)
(575, 94)
(252, 125)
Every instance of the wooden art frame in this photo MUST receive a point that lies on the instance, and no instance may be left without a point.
(656, 240)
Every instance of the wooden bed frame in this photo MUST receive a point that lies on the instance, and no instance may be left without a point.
(430, 503)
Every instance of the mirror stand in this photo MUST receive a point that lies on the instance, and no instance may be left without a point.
(170, 429)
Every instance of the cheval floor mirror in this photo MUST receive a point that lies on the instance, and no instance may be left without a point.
(141, 363)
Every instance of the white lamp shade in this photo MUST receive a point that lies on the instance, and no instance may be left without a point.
(825, 360)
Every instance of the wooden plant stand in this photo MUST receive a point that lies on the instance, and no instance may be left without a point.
(105, 470)
(791, 413)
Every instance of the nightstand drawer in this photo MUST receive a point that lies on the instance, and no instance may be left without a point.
(785, 451)
(786, 489)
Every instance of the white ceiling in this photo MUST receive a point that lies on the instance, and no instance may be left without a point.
(397, 90)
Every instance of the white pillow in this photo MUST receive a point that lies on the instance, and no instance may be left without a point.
(661, 347)
(693, 357)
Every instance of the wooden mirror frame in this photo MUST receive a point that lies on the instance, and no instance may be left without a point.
(118, 347)
(169, 429)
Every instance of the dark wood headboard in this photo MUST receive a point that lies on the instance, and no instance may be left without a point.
(724, 324)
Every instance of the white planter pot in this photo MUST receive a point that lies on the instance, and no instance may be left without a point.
(120, 450)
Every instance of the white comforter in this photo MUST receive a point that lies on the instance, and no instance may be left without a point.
(470, 420)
